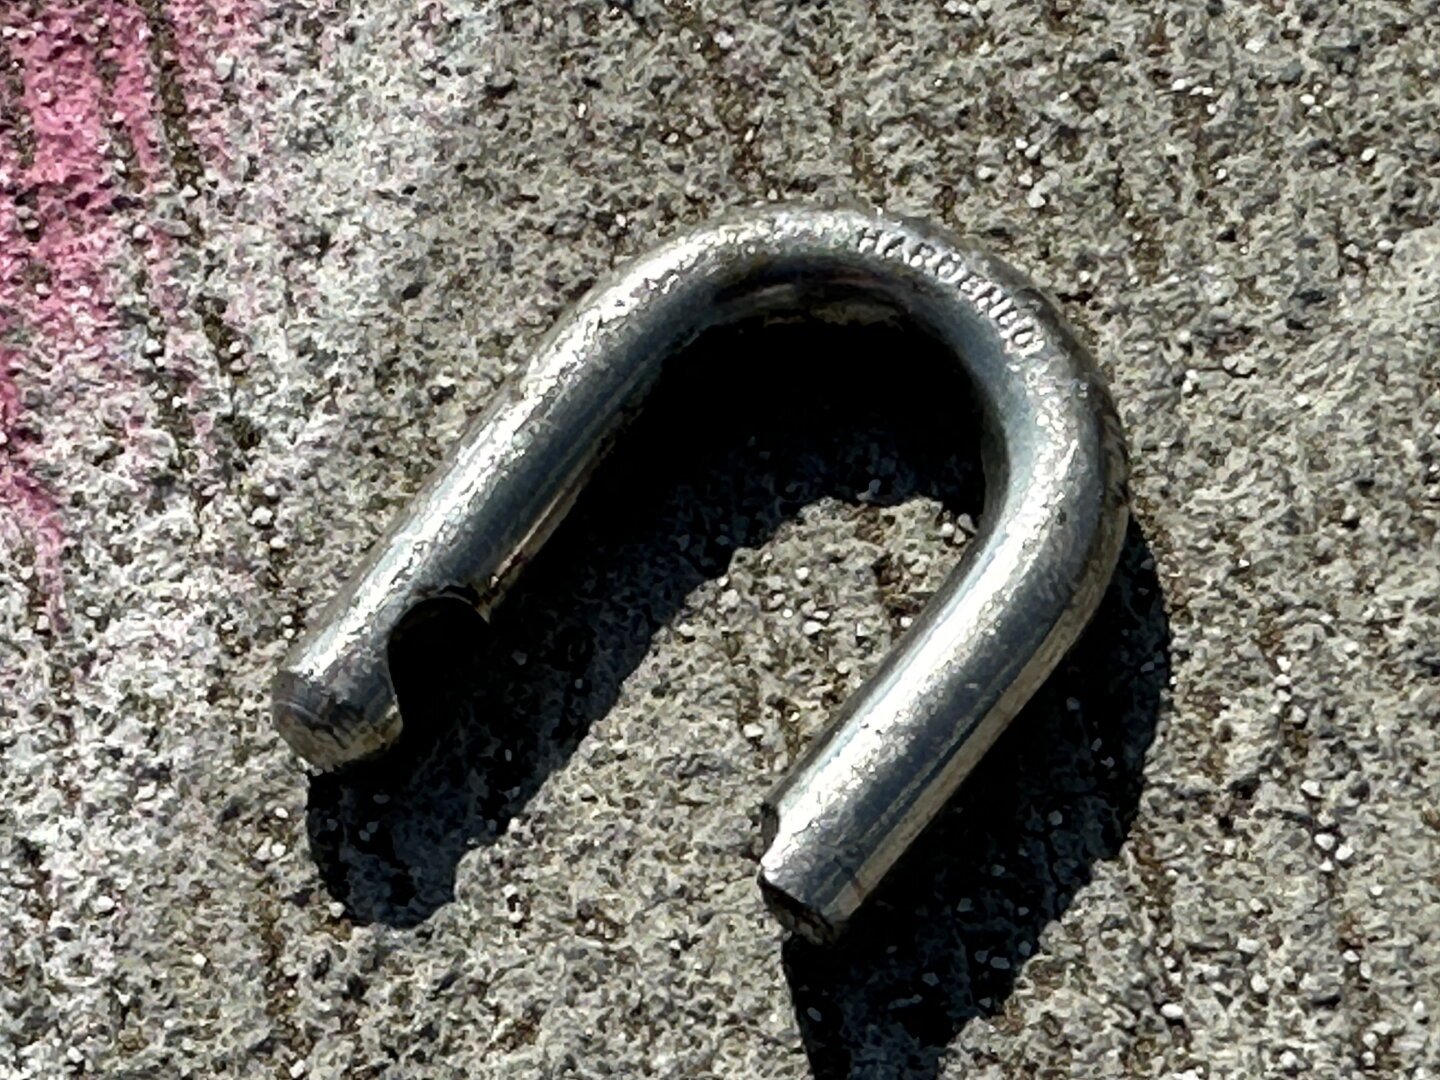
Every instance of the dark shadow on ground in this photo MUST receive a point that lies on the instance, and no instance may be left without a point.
(748, 427)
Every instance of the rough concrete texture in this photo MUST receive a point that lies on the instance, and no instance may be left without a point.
(262, 258)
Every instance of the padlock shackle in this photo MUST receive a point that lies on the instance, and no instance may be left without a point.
(1050, 535)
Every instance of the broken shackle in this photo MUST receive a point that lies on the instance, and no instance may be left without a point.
(1054, 518)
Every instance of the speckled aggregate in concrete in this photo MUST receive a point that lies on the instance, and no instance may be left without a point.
(1208, 850)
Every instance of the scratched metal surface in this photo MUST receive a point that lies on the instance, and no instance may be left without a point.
(260, 260)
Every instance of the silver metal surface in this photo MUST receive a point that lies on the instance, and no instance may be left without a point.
(1050, 535)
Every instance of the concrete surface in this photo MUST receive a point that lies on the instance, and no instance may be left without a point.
(263, 257)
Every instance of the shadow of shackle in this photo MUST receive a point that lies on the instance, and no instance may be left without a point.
(748, 427)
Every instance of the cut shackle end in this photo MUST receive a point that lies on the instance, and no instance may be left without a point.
(814, 901)
(326, 731)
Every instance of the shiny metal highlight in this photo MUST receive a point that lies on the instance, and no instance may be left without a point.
(1050, 535)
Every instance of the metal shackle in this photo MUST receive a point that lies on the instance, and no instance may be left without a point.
(1050, 533)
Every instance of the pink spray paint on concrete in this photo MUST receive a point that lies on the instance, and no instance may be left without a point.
(53, 296)
(59, 340)
(210, 37)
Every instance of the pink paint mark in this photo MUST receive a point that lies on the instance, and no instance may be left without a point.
(62, 368)
(133, 93)
(64, 97)
(211, 36)
(57, 283)
(134, 101)
(27, 512)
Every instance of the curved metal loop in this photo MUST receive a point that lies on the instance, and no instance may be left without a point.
(1050, 536)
